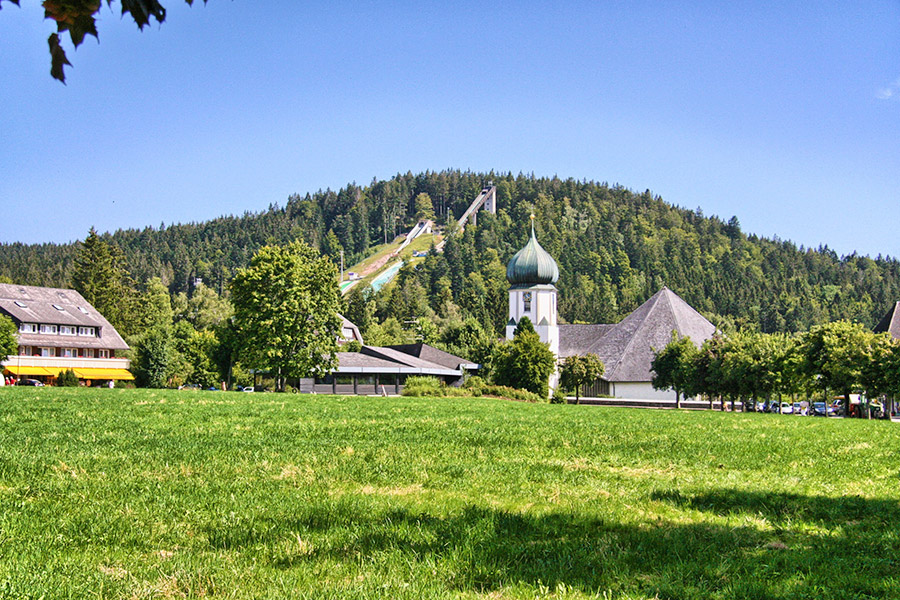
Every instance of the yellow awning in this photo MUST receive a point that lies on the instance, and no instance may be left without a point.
(27, 370)
(104, 374)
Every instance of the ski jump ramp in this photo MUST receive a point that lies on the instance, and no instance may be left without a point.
(487, 199)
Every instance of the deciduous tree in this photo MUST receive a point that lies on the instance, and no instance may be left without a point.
(285, 310)
(673, 366)
(424, 207)
(155, 356)
(578, 371)
(834, 355)
(8, 341)
(525, 362)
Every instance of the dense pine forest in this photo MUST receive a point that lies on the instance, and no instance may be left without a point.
(614, 247)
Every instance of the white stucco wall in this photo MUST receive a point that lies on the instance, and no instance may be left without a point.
(639, 390)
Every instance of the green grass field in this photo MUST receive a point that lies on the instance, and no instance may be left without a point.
(167, 494)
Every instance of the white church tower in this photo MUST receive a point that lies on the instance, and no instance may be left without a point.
(531, 274)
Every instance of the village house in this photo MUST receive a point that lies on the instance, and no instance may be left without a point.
(59, 330)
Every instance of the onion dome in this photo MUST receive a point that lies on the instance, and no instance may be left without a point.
(532, 265)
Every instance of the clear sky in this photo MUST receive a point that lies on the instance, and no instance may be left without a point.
(786, 115)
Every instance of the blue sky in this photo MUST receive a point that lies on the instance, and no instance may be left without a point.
(784, 114)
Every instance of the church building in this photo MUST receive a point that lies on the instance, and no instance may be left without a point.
(626, 348)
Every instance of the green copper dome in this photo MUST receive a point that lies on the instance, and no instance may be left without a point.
(532, 265)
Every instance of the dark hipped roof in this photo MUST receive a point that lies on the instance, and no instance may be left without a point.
(373, 359)
(434, 355)
(32, 304)
(575, 340)
(627, 348)
(891, 322)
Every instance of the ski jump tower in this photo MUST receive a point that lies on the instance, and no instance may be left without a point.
(487, 199)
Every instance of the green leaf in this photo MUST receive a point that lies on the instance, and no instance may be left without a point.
(142, 10)
(57, 58)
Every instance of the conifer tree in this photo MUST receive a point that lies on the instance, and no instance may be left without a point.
(100, 277)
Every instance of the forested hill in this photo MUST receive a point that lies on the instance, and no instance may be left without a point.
(614, 247)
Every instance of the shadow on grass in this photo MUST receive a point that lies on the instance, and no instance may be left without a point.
(813, 547)
(779, 507)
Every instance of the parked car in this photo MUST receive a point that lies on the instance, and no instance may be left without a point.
(249, 388)
(787, 408)
(32, 382)
(820, 409)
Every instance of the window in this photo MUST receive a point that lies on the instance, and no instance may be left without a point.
(69, 353)
(48, 329)
(88, 353)
(25, 350)
(48, 351)
(21, 304)
(82, 309)
(86, 331)
(67, 330)
(58, 307)
(28, 328)
(526, 298)
(102, 353)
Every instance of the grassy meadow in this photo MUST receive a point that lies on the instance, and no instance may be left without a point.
(173, 494)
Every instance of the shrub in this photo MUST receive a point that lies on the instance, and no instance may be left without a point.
(475, 385)
(511, 393)
(458, 392)
(67, 378)
(423, 386)
(558, 397)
